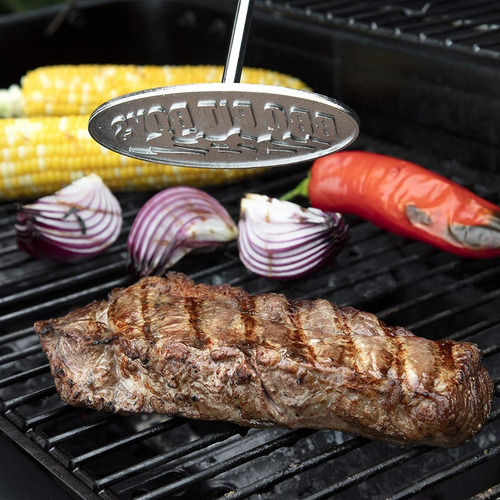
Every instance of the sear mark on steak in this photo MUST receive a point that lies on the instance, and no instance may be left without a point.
(170, 346)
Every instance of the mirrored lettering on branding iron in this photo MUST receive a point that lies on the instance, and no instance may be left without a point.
(215, 125)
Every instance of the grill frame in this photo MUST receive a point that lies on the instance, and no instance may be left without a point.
(435, 24)
(403, 282)
(404, 88)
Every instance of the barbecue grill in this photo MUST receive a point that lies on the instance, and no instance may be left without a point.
(424, 78)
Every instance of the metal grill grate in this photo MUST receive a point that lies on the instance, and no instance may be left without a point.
(471, 27)
(110, 456)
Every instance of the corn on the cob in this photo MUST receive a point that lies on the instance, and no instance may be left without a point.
(41, 155)
(79, 89)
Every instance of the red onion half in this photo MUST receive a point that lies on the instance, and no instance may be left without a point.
(79, 221)
(280, 239)
(173, 223)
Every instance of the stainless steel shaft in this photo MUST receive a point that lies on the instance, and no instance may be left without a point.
(238, 45)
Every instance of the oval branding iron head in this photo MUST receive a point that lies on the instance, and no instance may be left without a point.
(224, 125)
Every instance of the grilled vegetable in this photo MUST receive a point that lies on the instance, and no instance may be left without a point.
(171, 224)
(79, 221)
(79, 89)
(406, 199)
(283, 240)
(41, 155)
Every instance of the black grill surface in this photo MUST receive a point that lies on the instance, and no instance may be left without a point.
(430, 292)
(463, 26)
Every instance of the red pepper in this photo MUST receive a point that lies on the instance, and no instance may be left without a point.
(406, 199)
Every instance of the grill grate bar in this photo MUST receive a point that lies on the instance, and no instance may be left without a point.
(475, 328)
(26, 398)
(494, 415)
(49, 415)
(259, 451)
(8, 249)
(322, 6)
(294, 469)
(474, 34)
(440, 32)
(134, 438)
(7, 210)
(9, 263)
(377, 19)
(471, 304)
(22, 353)
(434, 479)
(17, 335)
(490, 350)
(348, 9)
(24, 375)
(381, 270)
(38, 276)
(451, 288)
(63, 283)
(160, 459)
(374, 272)
(78, 431)
(494, 44)
(401, 283)
(458, 9)
(66, 300)
(214, 269)
(368, 473)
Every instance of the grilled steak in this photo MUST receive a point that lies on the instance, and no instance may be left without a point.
(170, 346)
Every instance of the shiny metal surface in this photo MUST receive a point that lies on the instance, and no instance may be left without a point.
(221, 125)
(239, 38)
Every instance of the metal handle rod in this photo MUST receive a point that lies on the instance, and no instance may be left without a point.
(238, 45)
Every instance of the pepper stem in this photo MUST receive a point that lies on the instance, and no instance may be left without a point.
(299, 190)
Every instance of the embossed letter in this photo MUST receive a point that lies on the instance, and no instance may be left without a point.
(157, 122)
(119, 126)
(218, 122)
(244, 117)
(136, 127)
(182, 123)
(300, 123)
(325, 128)
(276, 121)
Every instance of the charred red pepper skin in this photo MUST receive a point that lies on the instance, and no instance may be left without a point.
(406, 199)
